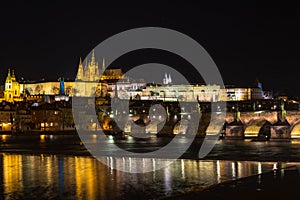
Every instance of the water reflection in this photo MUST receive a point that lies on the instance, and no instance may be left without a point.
(46, 177)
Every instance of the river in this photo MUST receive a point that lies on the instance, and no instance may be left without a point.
(28, 170)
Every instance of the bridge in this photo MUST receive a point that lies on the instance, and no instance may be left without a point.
(271, 119)
(271, 124)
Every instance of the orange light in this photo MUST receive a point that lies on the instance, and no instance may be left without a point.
(42, 138)
(4, 138)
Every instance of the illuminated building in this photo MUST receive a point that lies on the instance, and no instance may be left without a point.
(46, 116)
(93, 81)
(12, 88)
(7, 116)
(205, 93)
(90, 72)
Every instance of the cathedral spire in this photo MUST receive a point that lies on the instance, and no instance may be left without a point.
(13, 73)
(80, 71)
(93, 60)
(103, 64)
(170, 79)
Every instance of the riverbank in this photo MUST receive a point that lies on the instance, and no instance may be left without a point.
(40, 132)
(277, 184)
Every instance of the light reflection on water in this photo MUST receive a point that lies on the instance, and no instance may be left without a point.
(70, 177)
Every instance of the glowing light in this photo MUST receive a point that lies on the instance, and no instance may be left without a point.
(218, 171)
(233, 169)
(182, 169)
(259, 168)
(4, 138)
(42, 138)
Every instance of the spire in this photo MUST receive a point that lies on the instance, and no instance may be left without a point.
(13, 73)
(169, 79)
(103, 64)
(93, 60)
(8, 74)
(80, 71)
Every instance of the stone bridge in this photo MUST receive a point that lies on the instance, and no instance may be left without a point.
(254, 124)
(269, 124)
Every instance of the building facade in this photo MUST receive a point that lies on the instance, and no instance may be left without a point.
(12, 89)
(93, 81)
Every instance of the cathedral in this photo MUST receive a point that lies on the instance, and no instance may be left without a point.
(91, 71)
(87, 82)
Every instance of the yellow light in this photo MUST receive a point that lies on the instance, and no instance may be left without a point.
(295, 141)
(4, 138)
(42, 138)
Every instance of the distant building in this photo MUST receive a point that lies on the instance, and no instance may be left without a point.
(7, 116)
(45, 116)
(242, 94)
(93, 81)
(13, 89)
(89, 72)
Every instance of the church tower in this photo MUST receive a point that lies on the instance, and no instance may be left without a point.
(80, 71)
(12, 87)
(92, 69)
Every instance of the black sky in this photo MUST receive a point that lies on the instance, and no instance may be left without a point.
(246, 40)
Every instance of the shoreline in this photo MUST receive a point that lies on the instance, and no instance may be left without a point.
(39, 132)
(274, 184)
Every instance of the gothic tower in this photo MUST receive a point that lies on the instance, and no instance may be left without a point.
(80, 71)
(92, 69)
(12, 87)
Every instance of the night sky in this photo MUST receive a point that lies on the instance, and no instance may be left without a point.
(247, 41)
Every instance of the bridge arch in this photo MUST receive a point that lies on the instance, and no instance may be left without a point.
(258, 128)
(295, 129)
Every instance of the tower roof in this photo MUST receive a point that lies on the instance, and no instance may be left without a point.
(93, 60)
